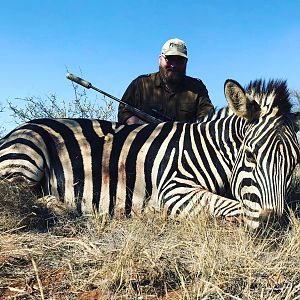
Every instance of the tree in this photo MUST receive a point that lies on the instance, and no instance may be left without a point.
(296, 99)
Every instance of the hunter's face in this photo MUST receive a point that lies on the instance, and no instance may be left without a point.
(172, 68)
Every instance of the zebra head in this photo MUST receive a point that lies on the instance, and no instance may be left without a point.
(269, 150)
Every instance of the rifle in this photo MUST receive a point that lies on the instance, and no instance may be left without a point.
(142, 115)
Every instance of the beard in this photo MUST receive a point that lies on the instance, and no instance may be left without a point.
(171, 76)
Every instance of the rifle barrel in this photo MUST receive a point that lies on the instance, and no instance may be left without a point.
(146, 117)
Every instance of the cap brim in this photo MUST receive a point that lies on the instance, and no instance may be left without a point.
(174, 52)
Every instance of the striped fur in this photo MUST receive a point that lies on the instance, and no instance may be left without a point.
(248, 152)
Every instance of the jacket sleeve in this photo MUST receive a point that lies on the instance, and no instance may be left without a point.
(131, 96)
(205, 107)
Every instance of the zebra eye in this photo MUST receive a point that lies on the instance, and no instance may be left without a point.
(250, 156)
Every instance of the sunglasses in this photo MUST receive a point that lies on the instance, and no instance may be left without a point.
(174, 59)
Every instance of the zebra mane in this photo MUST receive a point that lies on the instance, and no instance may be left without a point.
(271, 94)
(274, 93)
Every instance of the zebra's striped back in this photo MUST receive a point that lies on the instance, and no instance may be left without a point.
(179, 168)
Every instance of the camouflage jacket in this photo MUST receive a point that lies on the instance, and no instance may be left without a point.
(148, 93)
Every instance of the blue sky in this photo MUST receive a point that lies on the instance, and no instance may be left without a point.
(111, 42)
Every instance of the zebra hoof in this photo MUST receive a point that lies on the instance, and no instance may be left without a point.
(54, 205)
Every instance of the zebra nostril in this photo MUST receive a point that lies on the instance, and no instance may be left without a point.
(252, 197)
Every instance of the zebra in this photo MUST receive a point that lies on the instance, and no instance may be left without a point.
(237, 163)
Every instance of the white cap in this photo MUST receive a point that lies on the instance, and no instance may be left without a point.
(174, 47)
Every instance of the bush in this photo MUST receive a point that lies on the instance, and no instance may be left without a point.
(80, 107)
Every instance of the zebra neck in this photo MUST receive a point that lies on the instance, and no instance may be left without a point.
(223, 137)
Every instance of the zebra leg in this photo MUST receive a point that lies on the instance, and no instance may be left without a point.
(217, 206)
(220, 206)
(198, 199)
(246, 212)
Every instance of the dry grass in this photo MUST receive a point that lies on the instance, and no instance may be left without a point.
(139, 258)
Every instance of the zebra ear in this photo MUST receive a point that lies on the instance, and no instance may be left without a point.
(238, 101)
(236, 97)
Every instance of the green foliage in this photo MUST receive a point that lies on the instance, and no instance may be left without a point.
(80, 107)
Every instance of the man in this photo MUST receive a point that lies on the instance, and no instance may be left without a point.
(168, 93)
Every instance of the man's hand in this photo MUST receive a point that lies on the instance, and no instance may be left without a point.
(134, 120)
